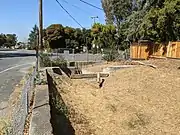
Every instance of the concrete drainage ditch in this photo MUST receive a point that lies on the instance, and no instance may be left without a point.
(60, 115)
(63, 116)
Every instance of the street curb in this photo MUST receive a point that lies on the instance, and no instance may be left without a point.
(40, 121)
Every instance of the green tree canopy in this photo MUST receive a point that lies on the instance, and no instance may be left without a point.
(32, 40)
(67, 37)
(157, 20)
(55, 35)
(2, 39)
(10, 40)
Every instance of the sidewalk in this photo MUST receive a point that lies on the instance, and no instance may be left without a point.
(40, 121)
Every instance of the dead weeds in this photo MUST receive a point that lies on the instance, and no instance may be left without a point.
(133, 101)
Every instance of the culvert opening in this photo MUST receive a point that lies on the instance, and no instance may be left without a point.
(59, 113)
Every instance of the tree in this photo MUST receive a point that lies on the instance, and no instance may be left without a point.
(104, 36)
(55, 36)
(69, 37)
(117, 10)
(107, 6)
(156, 20)
(161, 23)
(11, 40)
(2, 40)
(8, 40)
(87, 38)
(32, 40)
(97, 34)
(79, 38)
(64, 37)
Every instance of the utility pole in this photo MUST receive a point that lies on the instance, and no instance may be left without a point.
(94, 18)
(40, 28)
(87, 51)
(37, 50)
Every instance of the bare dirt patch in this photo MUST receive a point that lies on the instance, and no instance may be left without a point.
(133, 101)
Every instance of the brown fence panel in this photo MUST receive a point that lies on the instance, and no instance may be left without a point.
(134, 51)
(143, 50)
(178, 49)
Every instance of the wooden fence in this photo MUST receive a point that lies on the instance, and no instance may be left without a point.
(140, 50)
(145, 49)
(173, 50)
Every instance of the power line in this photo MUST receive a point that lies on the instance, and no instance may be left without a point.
(91, 4)
(77, 7)
(69, 13)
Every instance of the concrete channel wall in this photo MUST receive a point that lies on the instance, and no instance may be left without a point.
(59, 112)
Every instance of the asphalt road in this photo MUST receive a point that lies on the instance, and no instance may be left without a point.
(13, 66)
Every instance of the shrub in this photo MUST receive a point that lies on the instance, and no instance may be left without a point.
(45, 61)
(60, 62)
(109, 57)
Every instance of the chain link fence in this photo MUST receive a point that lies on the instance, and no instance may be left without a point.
(124, 55)
(78, 57)
(108, 54)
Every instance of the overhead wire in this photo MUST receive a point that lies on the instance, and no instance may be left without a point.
(75, 6)
(68, 13)
(91, 5)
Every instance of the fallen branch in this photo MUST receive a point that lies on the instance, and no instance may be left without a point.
(153, 66)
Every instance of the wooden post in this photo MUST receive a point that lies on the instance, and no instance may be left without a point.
(40, 24)
(168, 50)
(98, 77)
(37, 52)
(176, 50)
(139, 49)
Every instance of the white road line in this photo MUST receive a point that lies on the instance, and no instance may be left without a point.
(15, 67)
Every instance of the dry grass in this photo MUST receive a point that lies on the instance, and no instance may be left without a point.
(5, 121)
(4, 126)
(16, 95)
(14, 99)
(134, 101)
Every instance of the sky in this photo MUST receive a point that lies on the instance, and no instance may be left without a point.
(19, 16)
